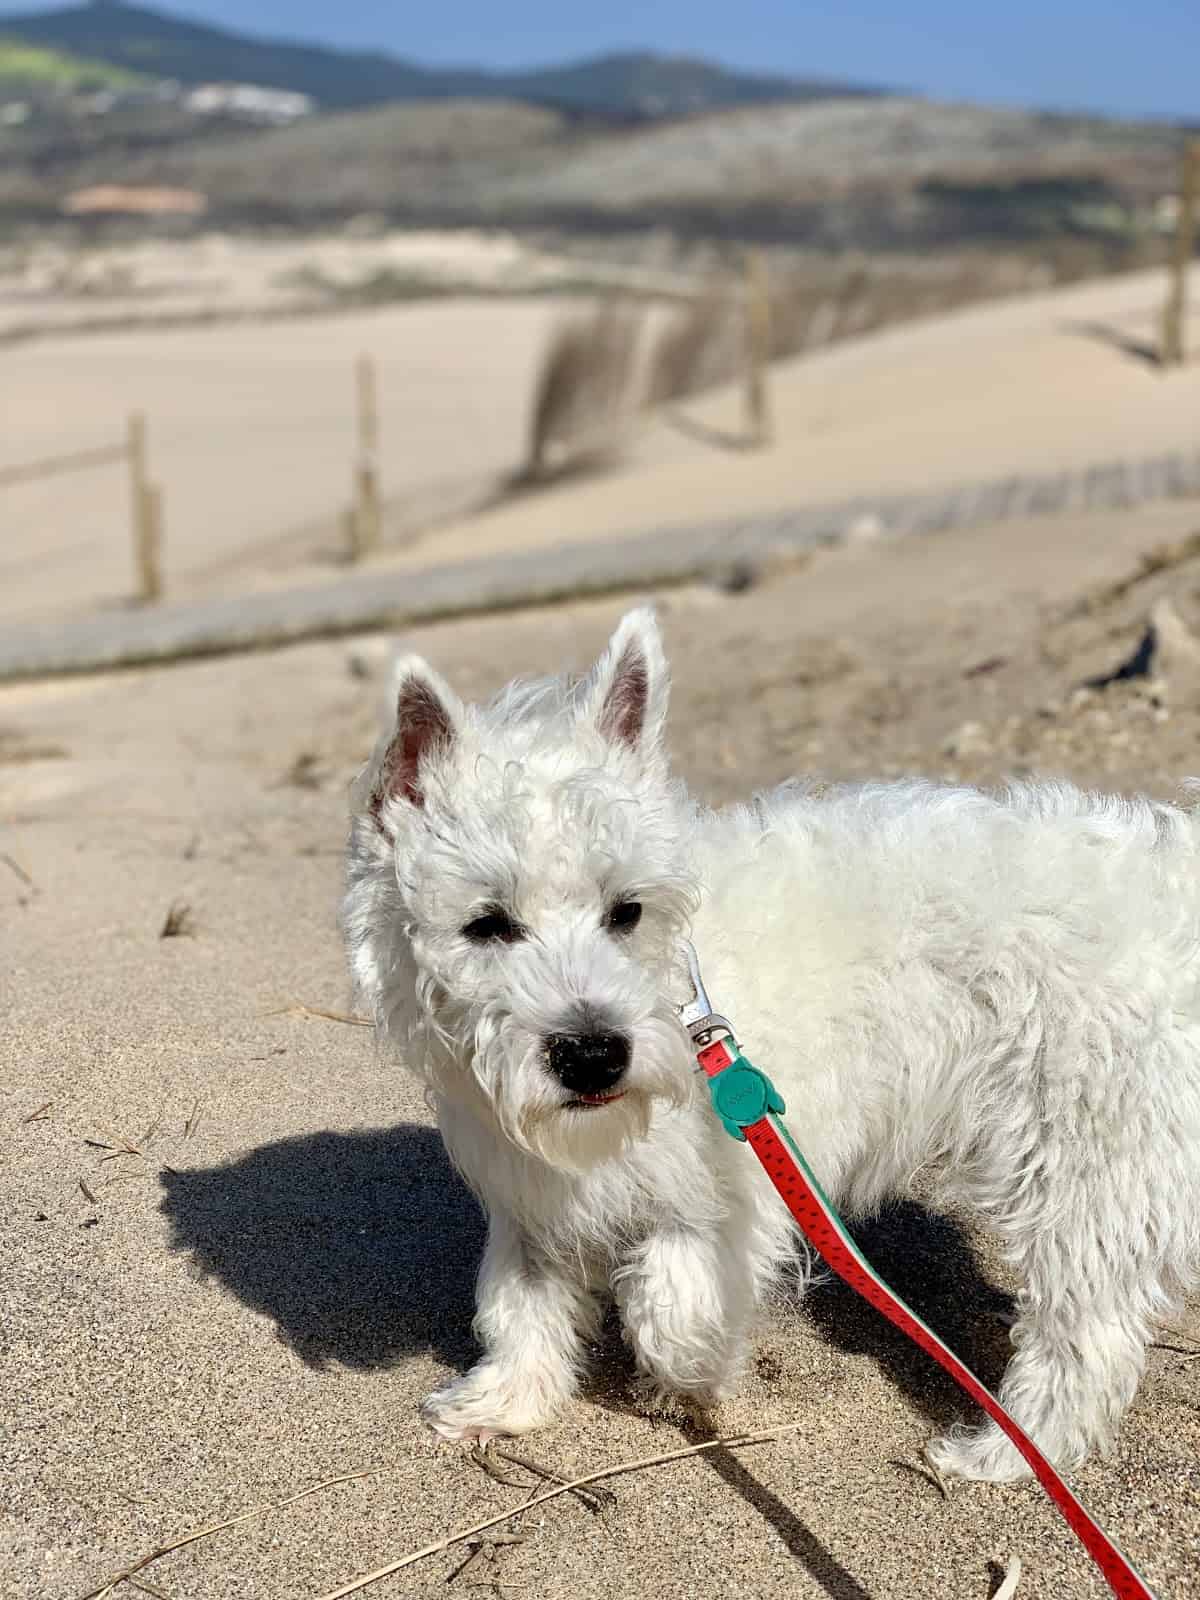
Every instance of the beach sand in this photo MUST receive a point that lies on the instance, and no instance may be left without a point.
(235, 1257)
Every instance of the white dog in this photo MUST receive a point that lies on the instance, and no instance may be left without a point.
(1006, 989)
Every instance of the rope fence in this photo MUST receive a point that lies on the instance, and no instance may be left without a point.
(363, 518)
(145, 496)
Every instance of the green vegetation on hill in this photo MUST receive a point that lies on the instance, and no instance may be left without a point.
(33, 64)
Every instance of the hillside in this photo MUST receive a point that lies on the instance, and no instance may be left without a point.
(870, 174)
(630, 85)
(595, 148)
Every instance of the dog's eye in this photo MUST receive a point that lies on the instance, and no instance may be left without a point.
(625, 914)
(494, 927)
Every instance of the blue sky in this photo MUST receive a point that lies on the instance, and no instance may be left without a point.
(1139, 57)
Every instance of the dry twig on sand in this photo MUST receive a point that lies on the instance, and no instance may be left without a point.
(1189, 1338)
(180, 923)
(299, 1009)
(1012, 1576)
(595, 1500)
(130, 1572)
(148, 1588)
(731, 1442)
(42, 1114)
(118, 1145)
(15, 865)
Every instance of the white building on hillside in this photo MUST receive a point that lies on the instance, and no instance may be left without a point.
(249, 101)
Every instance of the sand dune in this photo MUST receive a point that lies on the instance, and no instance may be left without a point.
(252, 432)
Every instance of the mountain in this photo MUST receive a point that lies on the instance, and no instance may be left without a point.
(651, 86)
(619, 86)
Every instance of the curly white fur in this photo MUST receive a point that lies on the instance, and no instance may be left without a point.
(1003, 988)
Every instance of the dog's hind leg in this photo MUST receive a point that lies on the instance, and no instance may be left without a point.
(1097, 1219)
(1074, 1373)
(530, 1318)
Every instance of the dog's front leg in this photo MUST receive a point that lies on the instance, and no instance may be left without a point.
(529, 1318)
(687, 1302)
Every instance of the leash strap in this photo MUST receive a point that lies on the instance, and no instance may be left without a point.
(750, 1108)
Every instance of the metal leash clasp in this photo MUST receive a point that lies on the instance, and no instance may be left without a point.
(697, 1014)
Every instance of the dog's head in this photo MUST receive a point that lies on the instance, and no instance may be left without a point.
(518, 890)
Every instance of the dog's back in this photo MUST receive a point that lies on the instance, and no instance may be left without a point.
(912, 933)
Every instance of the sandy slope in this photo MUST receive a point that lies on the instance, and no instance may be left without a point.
(251, 433)
(251, 437)
(257, 1301)
(1035, 384)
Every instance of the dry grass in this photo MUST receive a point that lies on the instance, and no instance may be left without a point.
(120, 1144)
(696, 347)
(591, 386)
(811, 305)
(584, 393)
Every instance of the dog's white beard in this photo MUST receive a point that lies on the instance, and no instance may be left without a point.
(510, 1074)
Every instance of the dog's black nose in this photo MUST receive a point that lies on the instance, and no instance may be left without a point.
(588, 1063)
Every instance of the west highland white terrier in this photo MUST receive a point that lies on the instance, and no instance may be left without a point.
(1004, 989)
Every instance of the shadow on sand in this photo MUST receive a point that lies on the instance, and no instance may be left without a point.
(363, 1246)
(1127, 344)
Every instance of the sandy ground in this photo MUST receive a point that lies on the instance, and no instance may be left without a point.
(54, 288)
(251, 437)
(257, 1300)
(251, 434)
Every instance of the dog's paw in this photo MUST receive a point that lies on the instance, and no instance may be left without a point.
(472, 1410)
(983, 1455)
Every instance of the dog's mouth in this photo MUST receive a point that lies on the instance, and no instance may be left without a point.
(589, 1102)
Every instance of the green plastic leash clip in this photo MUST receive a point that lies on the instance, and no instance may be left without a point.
(742, 1095)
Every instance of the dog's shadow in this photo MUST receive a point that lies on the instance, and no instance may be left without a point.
(362, 1247)
(929, 1260)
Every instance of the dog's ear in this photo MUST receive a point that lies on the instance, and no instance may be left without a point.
(626, 695)
(428, 713)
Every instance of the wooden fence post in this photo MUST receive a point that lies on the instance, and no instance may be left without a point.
(1174, 343)
(365, 519)
(145, 513)
(757, 347)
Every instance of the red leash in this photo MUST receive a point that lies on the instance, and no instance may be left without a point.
(750, 1109)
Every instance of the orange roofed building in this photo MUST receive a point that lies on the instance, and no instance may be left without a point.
(116, 199)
